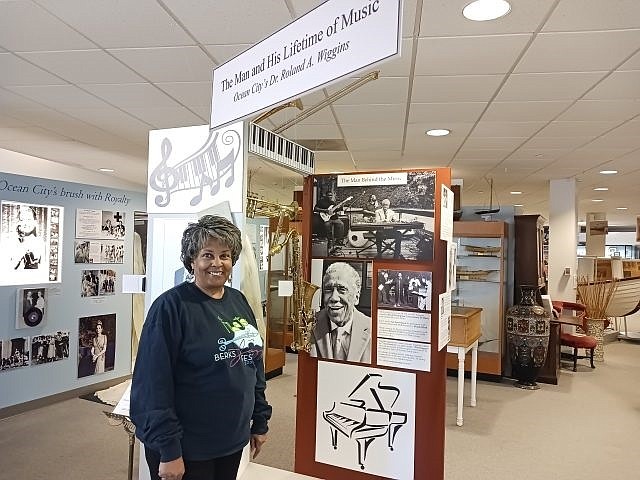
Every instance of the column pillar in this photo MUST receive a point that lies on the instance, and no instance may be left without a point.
(563, 239)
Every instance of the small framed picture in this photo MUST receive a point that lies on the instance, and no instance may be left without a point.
(31, 307)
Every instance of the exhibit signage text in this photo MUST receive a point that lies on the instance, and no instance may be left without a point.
(333, 40)
(50, 191)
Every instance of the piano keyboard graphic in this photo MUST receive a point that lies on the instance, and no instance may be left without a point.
(280, 150)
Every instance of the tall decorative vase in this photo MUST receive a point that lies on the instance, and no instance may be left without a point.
(595, 328)
(527, 337)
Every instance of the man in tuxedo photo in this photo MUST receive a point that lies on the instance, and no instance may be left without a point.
(341, 331)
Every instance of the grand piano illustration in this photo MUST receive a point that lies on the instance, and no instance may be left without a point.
(366, 415)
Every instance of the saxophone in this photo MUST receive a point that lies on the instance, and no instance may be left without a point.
(302, 317)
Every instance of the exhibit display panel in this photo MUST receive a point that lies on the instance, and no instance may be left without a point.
(65, 247)
(371, 390)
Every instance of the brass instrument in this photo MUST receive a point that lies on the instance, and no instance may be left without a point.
(302, 317)
(294, 103)
(263, 208)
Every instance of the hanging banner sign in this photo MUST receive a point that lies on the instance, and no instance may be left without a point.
(335, 39)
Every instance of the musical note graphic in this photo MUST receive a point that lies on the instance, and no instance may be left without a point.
(204, 168)
(163, 178)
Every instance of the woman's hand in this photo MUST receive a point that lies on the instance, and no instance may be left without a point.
(173, 470)
(256, 443)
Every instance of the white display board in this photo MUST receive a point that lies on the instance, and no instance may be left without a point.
(380, 419)
(335, 39)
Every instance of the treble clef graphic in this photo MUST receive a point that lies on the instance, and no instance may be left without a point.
(163, 178)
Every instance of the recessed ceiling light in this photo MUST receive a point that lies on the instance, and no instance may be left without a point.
(516, 192)
(107, 170)
(597, 200)
(483, 10)
(608, 172)
(518, 205)
(601, 189)
(438, 132)
(621, 208)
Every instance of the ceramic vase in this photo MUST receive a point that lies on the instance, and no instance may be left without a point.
(595, 328)
(527, 337)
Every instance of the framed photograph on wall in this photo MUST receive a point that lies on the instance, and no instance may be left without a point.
(31, 307)
(100, 224)
(14, 353)
(96, 344)
(49, 348)
(30, 243)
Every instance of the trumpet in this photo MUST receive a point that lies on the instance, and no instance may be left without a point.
(263, 208)
(259, 207)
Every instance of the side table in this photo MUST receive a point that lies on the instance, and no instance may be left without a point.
(461, 351)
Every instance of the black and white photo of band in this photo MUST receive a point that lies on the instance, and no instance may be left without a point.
(31, 307)
(404, 289)
(99, 251)
(49, 348)
(14, 353)
(31, 239)
(385, 215)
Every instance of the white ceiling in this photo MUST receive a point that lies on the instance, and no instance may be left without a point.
(550, 91)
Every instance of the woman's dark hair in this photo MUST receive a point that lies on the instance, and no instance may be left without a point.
(196, 235)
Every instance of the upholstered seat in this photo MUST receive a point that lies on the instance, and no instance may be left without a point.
(576, 340)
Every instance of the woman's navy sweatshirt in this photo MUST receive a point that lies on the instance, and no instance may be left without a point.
(198, 383)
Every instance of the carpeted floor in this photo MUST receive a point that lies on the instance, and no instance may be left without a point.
(587, 427)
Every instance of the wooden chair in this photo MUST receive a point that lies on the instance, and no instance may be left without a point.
(576, 340)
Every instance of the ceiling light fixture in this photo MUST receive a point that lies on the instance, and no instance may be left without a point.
(106, 170)
(597, 200)
(516, 192)
(608, 172)
(483, 10)
(438, 132)
(518, 205)
(601, 189)
(621, 208)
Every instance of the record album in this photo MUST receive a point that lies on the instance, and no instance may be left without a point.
(31, 307)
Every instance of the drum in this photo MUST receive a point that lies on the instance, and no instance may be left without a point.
(357, 239)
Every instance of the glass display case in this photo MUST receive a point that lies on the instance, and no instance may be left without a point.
(279, 307)
(481, 283)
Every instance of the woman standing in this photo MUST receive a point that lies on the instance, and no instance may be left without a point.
(99, 348)
(197, 395)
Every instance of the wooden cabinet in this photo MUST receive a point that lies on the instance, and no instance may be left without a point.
(529, 254)
(480, 285)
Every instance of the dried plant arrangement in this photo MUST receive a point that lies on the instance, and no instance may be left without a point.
(596, 295)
